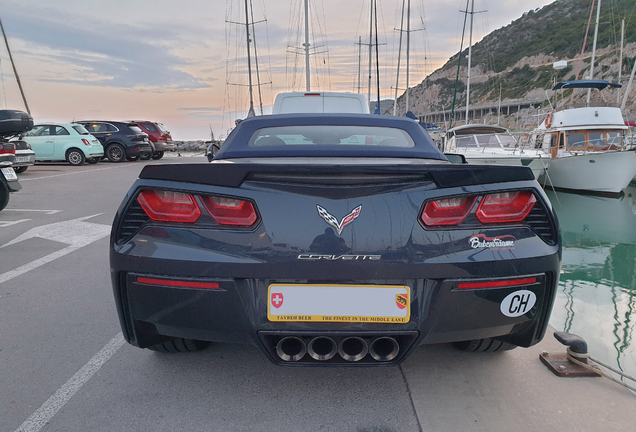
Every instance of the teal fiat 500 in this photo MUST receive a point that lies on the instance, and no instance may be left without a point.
(64, 141)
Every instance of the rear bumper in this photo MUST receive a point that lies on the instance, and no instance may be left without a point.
(24, 158)
(236, 312)
(164, 146)
(137, 149)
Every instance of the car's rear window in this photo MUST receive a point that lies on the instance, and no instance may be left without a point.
(81, 130)
(136, 129)
(150, 127)
(162, 128)
(320, 135)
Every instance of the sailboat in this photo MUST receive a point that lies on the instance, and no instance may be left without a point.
(486, 144)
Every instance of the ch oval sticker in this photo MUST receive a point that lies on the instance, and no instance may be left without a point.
(518, 303)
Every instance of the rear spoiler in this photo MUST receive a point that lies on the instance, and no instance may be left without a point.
(233, 175)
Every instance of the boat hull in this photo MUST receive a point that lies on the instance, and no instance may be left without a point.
(608, 172)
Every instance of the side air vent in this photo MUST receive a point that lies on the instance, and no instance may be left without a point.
(132, 221)
(540, 222)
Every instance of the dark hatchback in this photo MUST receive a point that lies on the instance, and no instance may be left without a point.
(159, 137)
(121, 140)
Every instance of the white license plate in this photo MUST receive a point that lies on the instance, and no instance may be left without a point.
(22, 159)
(373, 304)
(9, 174)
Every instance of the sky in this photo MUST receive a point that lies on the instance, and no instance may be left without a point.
(184, 63)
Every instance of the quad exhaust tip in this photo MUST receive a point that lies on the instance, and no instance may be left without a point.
(384, 349)
(353, 349)
(291, 349)
(322, 348)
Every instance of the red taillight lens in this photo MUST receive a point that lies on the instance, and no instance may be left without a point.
(177, 283)
(169, 206)
(450, 211)
(505, 207)
(7, 148)
(228, 211)
(85, 141)
(497, 284)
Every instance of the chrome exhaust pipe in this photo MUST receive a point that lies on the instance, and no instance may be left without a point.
(384, 349)
(322, 348)
(291, 348)
(353, 349)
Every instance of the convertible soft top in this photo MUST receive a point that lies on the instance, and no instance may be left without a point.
(350, 135)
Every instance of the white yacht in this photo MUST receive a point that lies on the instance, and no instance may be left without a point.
(493, 145)
(587, 146)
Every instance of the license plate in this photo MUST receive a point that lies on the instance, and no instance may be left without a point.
(9, 174)
(22, 159)
(373, 304)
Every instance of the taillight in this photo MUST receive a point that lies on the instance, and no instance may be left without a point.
(229, 211)
(450, 211)
(7, 148)
(505, 207)
(169, 206)
(85, 141)
(177, 283)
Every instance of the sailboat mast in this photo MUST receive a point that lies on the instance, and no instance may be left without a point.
(397, 78)
(359, 60)
(470, 52)
(598, 16)
(250, 113)
(408, 44)
(370, 48)
(620, 63)
(377, 57)
(14, 69)
(306, 45)
(258, 75)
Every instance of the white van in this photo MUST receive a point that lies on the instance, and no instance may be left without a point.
(320, 102)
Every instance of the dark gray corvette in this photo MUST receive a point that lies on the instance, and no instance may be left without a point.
(333, 239)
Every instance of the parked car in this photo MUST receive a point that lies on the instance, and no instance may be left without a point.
(160, 138)
(328, 239)
(24, 156)
(121, 140)
(12, 123)
(63, 141)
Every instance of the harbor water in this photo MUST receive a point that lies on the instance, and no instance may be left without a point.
(596, 298)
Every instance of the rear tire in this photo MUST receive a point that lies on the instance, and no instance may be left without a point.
(4, 194)
(20, 169)
(75, 157)
(132, 158)
(484, 345)
(157, 155)
(92, 160)
(115, 153)
(146, 156)
(180, 345)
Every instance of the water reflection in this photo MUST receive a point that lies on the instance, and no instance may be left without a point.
(597, 289)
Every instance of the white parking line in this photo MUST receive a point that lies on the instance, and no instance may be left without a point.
(9, 223)
(47, 212)
(53, 404)
(71, 173)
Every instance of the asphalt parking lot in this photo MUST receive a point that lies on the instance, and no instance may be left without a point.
(66, 367)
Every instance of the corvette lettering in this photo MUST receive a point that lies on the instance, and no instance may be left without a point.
(332, 221)
(480, 241)
(315, 257)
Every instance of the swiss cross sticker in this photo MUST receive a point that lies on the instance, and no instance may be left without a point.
(277, 300)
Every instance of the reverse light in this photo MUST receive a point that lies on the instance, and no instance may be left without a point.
(505, 207)
(449, 211)
(169, 206)
(229, 211)
(497, 284)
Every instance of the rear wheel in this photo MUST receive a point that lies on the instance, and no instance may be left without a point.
(180, 345)
(146, 156)
(20, 169)
(4, 194)
(92, 160)
(484, 345)
(132, 158)
(115, 153)
(157, 155)
(75, 157)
